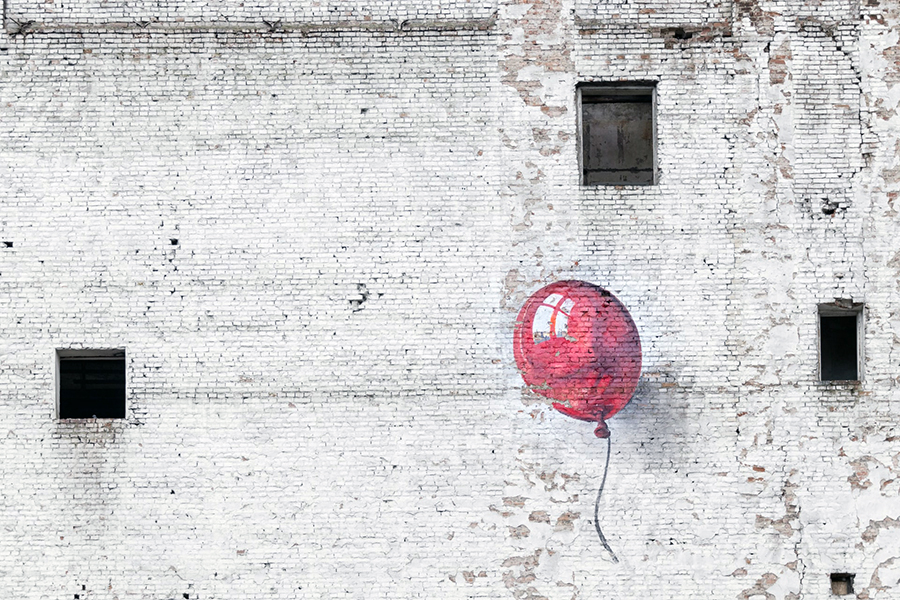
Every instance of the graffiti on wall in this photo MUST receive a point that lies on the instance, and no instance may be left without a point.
(575, 343)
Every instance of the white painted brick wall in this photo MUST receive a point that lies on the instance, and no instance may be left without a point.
(322, 397)
(229, 12)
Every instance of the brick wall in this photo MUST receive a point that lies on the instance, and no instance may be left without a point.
(322, 396)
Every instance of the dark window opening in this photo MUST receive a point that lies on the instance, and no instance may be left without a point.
(839, 342)
(92, 386)
(839, 348)
(842, 584)
(618, 138)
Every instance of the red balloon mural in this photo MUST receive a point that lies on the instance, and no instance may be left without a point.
(576, 343)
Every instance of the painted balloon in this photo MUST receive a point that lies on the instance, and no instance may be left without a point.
(576, 343)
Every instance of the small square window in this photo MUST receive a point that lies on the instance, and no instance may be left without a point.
(840, 341)
(618, 134)
(91, 384)
(842, 584)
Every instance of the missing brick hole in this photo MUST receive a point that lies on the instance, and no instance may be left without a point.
(356, 303)
(830, 207)
(842, 584)
(679, 33)
(7, 244)
(174, 241)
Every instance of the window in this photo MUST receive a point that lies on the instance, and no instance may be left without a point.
(91, 384)
(618, 134)
(842, 584)
(840, 341)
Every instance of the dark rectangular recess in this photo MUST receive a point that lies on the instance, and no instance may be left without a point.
(92, 387)
(842, 584)
(838, 347)
(617, 135)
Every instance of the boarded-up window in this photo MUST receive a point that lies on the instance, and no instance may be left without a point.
(92, 384)
(618, 145)
(842, 584)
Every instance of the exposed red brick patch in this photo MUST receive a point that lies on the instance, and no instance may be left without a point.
(859, 480)
(539, 516)
(759, 588)
(519, 532)
(566, 521)
(875, 528)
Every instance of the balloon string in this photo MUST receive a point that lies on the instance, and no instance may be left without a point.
(597, 503)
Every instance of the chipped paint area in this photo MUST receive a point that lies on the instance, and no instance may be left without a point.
(540, 516)
(537, 70)
(540, 520)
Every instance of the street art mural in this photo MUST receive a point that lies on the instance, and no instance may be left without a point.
(575, 343)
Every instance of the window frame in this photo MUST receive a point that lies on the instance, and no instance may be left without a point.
(89, 354)
(615, 88)
(842, 308)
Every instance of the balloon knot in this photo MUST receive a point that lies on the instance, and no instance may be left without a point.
(602, 431)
